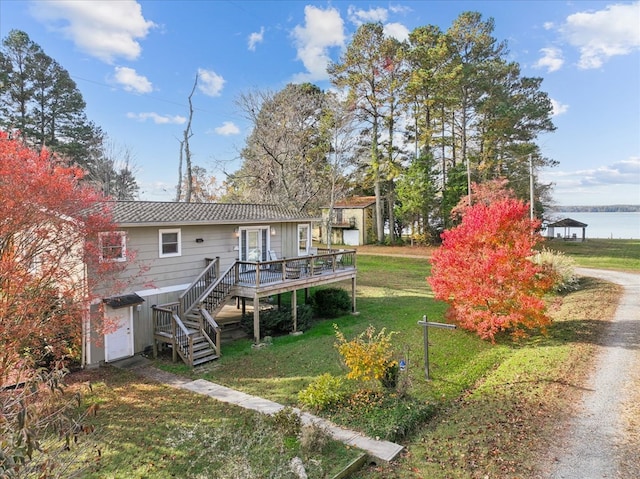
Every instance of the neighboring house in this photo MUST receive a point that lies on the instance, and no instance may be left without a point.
(353, 222)
(198, 257)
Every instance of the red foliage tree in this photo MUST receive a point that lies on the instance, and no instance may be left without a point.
(49, 229)
(483, 270)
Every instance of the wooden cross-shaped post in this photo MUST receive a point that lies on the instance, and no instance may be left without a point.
(425, 325)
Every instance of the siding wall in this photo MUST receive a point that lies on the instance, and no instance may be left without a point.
(163, 279)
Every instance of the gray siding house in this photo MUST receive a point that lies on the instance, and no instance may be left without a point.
(188, 261)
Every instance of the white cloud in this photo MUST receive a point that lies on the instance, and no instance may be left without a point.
(603, 34)
(157, 118)
(358, 16)
(131, 81)
(608, 184)
(228, 128)
(551, 59)
(209, 82)
(103, 29)
(397, 31)
(624, 172)
(322, 29)
(558, 108)
(400, 9)
(255, 38)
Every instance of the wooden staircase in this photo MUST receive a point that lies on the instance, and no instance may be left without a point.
(202, 351)
(188, 325)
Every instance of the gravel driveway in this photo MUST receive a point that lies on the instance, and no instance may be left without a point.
(603, 440)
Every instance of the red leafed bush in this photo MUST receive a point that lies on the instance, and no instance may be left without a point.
(484, 272)
(49, 229)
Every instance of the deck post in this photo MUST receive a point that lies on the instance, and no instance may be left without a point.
(256, 319)
(353, 295)
(294, 309)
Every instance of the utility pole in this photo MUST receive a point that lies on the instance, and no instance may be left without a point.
(531, 195)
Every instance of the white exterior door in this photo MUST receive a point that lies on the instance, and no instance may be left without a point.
(254, 244)
(119, 343)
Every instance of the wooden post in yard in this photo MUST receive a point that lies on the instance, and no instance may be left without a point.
(425, 324)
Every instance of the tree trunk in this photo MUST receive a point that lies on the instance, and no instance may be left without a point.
(187, 151)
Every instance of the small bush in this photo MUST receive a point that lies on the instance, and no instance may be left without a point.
(279, 321)
(561, 267)
(313, 439)
(398, 419)
(368, 356)
(287, 422)
(331, 302)
(324, 391)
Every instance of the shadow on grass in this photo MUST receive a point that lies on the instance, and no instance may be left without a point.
(618, 334)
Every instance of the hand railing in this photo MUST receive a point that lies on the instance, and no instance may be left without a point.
(183, 340)
(211, 330)
(191, 296)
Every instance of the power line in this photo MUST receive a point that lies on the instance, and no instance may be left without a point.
(164, 100)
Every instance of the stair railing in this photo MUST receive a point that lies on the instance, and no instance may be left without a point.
(190, 297)
(222, 286)
(210, 330)
(183, 340)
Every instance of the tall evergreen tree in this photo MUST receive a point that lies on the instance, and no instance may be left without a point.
(40, 102)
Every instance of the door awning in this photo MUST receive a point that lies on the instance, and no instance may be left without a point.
(123, 301)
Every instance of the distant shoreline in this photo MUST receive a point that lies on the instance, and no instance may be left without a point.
(598, 209)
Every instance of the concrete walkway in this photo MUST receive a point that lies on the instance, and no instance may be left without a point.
(383, 450)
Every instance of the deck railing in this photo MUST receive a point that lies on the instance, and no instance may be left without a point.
(252, 273)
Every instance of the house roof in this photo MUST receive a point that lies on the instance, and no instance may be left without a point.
(568, 223)
(150, 213)
(355, 202)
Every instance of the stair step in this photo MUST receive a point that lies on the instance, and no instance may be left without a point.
(197, 362)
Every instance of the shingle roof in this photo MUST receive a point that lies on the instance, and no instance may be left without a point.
(568, 223)
(144, 213)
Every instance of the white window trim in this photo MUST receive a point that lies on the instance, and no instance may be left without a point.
(123, 242)
(168, 231)
(260, 228)
(308, 228)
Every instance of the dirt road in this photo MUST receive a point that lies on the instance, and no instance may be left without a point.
(603, 439)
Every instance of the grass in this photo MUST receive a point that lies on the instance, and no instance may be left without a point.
(150, 430)
(490, 410)
(623, 255)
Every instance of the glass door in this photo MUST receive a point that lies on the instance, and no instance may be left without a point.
(253, 244)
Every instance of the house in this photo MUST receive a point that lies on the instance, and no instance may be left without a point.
(353, 222)
(566, 225)
(198, 257)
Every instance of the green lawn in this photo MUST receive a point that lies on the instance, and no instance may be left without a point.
(621, 255)
(488, 407)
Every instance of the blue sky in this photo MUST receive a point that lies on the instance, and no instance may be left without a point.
(135, 64)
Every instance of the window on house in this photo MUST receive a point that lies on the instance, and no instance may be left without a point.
(170, 243)
(113, 246)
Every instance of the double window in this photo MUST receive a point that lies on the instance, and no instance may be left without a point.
(170, 242)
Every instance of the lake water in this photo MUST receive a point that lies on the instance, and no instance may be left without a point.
(605, 225)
